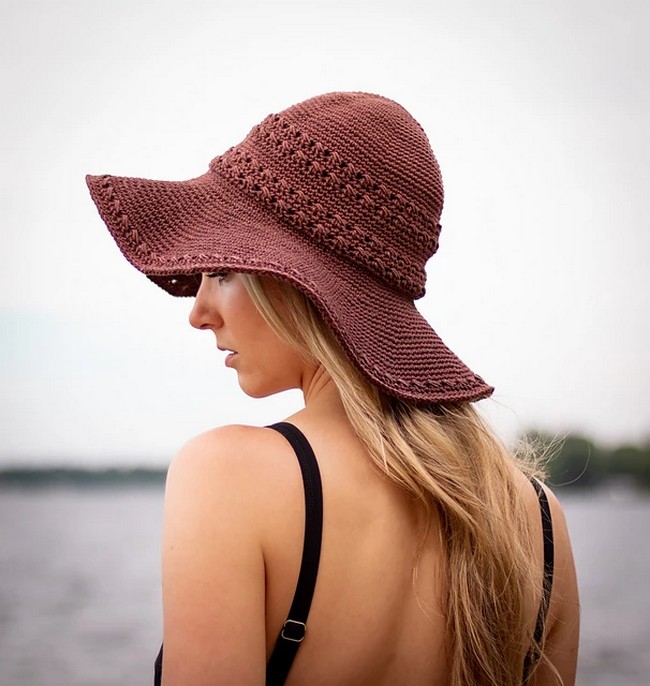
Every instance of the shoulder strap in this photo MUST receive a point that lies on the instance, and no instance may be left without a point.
(295, 626)
(549, 562)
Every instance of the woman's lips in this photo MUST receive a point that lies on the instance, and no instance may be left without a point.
(229, 358)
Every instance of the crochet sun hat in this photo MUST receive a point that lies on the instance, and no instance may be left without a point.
(341, 196)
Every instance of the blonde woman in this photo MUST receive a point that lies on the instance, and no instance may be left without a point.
(381, 535)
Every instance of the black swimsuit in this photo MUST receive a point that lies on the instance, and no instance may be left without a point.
(293, 630)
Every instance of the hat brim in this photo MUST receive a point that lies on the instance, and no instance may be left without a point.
(174, 231)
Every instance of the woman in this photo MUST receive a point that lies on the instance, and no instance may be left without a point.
(381, 535)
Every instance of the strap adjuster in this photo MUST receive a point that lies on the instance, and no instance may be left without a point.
(293, 631)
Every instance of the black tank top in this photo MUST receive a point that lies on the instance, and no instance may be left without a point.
(294, 628)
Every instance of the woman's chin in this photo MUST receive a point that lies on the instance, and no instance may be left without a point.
(261, 390)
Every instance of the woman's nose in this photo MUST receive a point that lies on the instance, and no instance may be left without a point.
(204, 313)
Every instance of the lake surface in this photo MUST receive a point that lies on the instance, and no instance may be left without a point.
(80, 586)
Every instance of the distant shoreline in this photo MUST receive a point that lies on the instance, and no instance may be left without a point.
(35, 478)
(40, 477)
(574, 463)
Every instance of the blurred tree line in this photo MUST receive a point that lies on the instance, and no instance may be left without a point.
(575, 461)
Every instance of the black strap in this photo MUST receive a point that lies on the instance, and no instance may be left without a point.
(293, 631)
(157, 668)
(549, 562)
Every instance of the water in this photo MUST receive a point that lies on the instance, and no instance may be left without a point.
(80, 598)
(79, 586)
(612, 552)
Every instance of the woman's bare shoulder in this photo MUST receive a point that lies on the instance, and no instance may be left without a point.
(230, 454)
(219, 489)
(246, 470)
(526, 491)
(223, 441)
(563, 623)
(564, 612)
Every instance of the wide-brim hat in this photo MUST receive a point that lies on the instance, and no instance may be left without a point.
(340, 196)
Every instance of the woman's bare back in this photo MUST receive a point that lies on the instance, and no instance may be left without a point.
(371, 622)
(367, 624)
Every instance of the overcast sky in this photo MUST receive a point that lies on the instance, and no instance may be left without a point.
(537, 112)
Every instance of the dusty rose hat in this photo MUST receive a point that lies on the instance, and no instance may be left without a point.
(340, 195)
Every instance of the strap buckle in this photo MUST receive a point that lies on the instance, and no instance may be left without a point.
(293, 631)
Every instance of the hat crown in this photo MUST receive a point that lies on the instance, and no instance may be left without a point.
(353, 173)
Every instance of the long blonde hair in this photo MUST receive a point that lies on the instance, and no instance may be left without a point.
(448, 459)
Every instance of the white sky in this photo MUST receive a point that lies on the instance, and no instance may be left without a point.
(537, 112)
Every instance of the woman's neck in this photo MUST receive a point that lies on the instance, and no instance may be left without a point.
(320, 392)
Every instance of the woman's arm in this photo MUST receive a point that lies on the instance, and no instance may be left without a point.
(212, 564)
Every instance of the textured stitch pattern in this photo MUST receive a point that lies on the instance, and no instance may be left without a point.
(335, 202)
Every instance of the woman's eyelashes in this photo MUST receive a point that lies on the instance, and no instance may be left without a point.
(217, 275)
